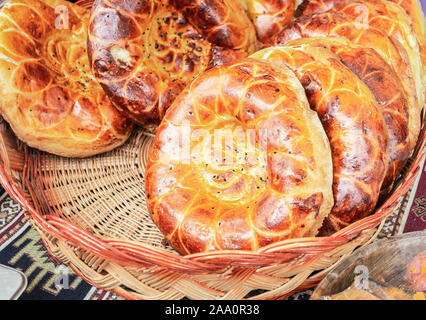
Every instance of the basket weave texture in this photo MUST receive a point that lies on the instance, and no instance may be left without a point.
(91, 214)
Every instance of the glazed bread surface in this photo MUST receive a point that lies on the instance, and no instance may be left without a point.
(269, 16)
(389, 17)
(258, 167)
(373, 70)
(143, 53)
(353, 123)
(47, 92)
(415, 11)
(338, 24)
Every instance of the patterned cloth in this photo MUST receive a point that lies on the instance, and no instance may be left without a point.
(22, 248)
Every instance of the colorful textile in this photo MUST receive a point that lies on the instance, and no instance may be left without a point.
(48, 279)
(22, 248)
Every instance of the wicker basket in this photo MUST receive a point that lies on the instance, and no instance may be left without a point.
(91, 214)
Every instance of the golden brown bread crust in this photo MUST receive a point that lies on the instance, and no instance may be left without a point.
(47, 93)
(144, 52)
(387, 16)
(269, 16)
(370, 67)
(353, 123)
(415, 11)
(271, 180)
(337, 24)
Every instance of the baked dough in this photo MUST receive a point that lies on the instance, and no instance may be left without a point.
(354, 125)
(256, 167)
(338, 24)
(143, 53)
(369, 66)
(415, 11)
(269, 16)
(47, 93)
(389, 17)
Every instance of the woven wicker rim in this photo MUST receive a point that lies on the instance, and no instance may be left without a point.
(139, 255)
